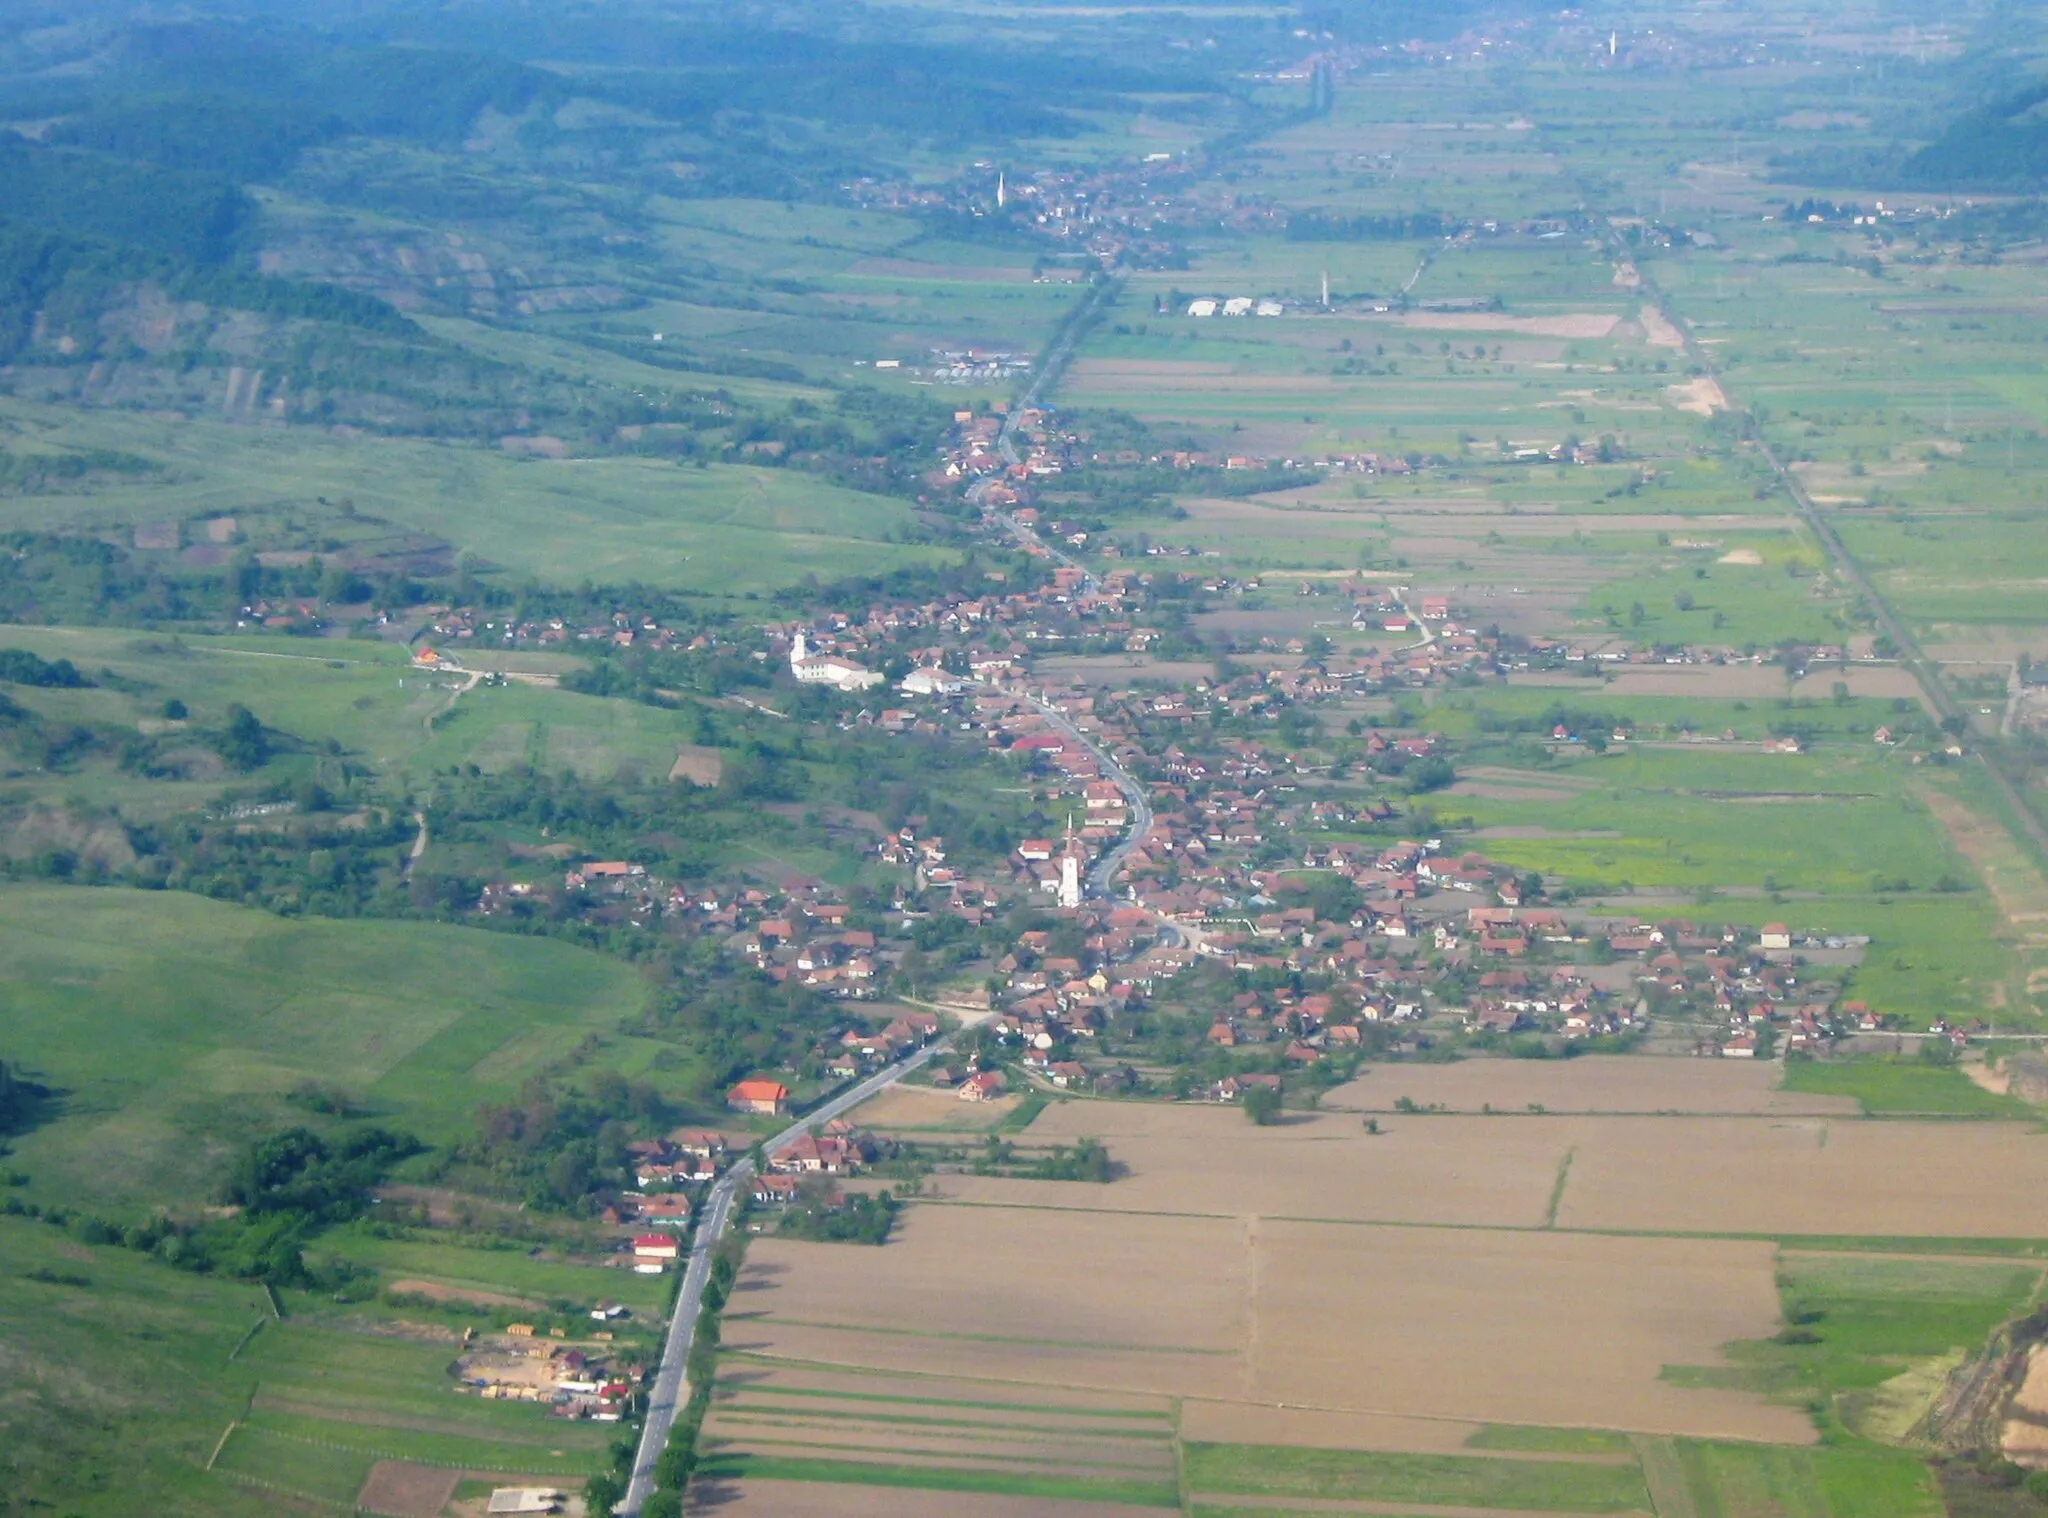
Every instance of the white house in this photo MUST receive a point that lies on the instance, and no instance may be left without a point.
(931, 682)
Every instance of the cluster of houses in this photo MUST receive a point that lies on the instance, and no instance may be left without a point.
(1743, 987)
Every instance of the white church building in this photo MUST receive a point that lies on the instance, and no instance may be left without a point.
(827, 669)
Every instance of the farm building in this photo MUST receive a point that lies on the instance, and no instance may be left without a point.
(765, 1098)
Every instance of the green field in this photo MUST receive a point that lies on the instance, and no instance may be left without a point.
(723, 530)
(1734, 1480)
(1888, 1086)
(1445, 1480)
(174, 1027)
(133, 1372)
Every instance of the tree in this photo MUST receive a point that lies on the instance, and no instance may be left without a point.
(601, 1493)
(1262, 1105)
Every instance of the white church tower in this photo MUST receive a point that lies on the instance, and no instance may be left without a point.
(1070, 869)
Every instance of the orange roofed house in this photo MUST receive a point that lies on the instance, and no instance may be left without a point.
(766, 1098)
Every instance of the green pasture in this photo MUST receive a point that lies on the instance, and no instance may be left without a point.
(1976, 567)
(360, 700)
(504, 727)
(1898, 1086)
(1830, 842)
(723, 1465)
(119, 1378)
(1465, 715)
(1865, 1481)
(721, 530)
(1719, 605)
(173, 1027)
(1860, 1327)
(1539, 1439)
(1259, 1470)
(509, 1271)
(127, 1373)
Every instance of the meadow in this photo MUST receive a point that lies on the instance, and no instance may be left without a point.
(721, 530)
(175, 1029)
(132, 1380)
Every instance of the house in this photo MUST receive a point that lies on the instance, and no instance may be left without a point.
(774, 1190)
(931, 682)
(763, 1098)
(983, 1087)
(672, 1211)
(1776, 936)
(655, 1246)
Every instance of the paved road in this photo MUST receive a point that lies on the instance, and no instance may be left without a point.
(670, 1392)
(1104, 874)
(1049, 370)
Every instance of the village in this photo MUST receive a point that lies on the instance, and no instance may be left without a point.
(1193, 836)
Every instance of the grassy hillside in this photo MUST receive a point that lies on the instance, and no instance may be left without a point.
(174, 1028)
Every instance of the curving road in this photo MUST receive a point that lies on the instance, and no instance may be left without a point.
(670, 1392)
(1106, 868)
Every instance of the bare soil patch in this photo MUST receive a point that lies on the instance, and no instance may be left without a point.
(1025, 1364)
(1985, 1078)
(1886, 1179)
(926, 1107)
(1701, 396)
(1513, 1327)
(433, 1291)
(1207, 1161)
(1658, 331)
(1595, 1083)
(2026, 1430)
(1466, 1325)
(1154, 1282)
(697, 764)
(403, 1490)
(2015, 884)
